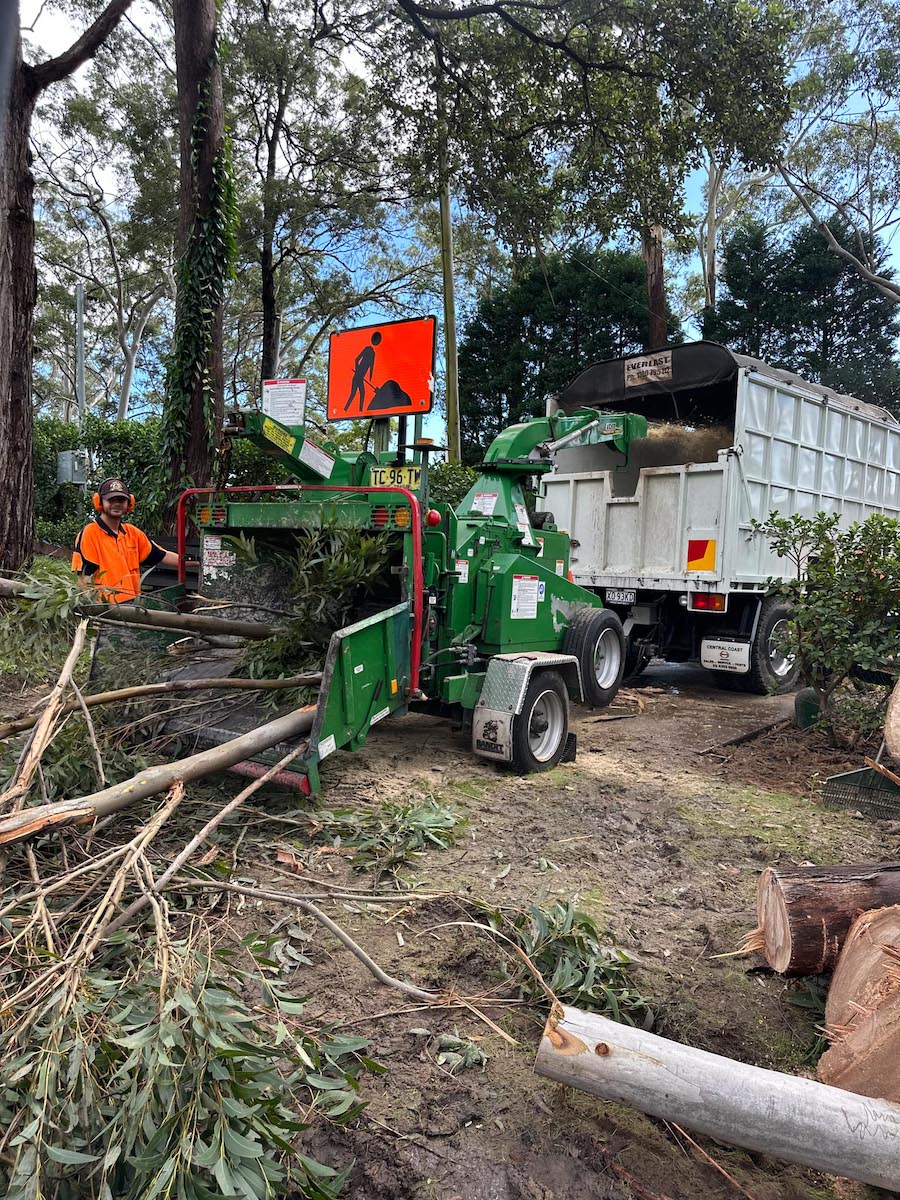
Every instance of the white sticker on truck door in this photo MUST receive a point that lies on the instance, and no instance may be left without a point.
(725, 656)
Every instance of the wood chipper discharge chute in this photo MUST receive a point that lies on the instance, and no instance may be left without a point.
(474, 616)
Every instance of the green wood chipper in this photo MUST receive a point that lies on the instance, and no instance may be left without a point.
(478, 621)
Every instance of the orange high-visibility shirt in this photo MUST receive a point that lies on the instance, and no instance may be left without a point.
(114, 560)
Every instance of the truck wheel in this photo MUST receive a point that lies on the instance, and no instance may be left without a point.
(540, 730)
(596, 638)
(771, 670)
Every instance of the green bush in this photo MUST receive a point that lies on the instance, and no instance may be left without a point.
(130, 449)
(449, 482)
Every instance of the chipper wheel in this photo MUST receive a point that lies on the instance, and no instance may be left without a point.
(596, 638)
(540, 730)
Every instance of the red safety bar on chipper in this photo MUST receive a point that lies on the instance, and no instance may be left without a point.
(418, 588)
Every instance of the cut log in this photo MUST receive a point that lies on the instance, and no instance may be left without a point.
(804, 913)
(797, 1120)
(892, 724)
(31, 822)
(863, 1011)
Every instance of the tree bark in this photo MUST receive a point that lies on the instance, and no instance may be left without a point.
(804, 913)
(797, 1120)
(199, 82)
(31, 822)
(17, 277)
(652, 254)
(892, 724)
(17, 299)
(862, 1015)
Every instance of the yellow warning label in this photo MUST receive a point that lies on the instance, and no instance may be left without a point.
(279, 436)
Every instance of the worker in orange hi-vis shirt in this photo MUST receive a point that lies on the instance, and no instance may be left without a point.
(110, 553)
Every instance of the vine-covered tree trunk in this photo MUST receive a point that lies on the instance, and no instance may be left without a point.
(17, 275)
(195, 379)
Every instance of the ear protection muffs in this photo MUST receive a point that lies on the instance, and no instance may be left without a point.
(98, 505)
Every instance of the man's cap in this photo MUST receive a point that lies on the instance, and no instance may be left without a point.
(114, 487)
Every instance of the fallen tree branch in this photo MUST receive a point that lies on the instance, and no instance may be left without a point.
(31, 756)
(130, 614)
(19, 725)
(20, 826)
(794, 1119)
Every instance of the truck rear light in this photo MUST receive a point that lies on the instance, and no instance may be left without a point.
(707, 601)
(401, 518)
(380, 517)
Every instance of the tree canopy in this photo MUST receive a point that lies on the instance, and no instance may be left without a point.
(528, 338)
(794, 303)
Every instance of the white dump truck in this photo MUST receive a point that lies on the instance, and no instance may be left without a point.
(666, 537)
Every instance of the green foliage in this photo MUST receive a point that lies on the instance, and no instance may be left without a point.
(36, 629)
(330, 570)
(529, 339)
(148, 1073)
(794, 303)
(384, 840)
(578, 961)
(449, 482)
(811, 995)
(844, 597)
(132, 449)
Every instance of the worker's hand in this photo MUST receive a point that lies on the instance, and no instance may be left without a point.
(192, 562)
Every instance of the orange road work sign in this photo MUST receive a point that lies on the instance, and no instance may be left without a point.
(384, 370)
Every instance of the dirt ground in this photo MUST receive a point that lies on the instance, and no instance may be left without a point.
(662, 845)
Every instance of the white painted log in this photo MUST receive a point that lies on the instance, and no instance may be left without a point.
(797, 1120)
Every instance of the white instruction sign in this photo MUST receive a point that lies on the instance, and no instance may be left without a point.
(327, 746)
(524, 597)
(485, 502)
(285, 400)
(560, 566)
(215, 559)
(462, 569)
(523, 524)
(316, 459)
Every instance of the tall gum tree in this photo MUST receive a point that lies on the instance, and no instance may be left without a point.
(17, 275)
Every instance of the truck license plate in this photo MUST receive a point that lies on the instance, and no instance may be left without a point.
(620, 596)
(725, 656)
(405, 477)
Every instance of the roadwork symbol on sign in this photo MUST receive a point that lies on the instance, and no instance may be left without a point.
(382, 370)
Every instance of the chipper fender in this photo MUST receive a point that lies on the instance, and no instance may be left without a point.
(522, 715)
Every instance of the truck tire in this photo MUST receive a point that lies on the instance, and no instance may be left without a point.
(596, 638)
(540, 731)
(771, 673)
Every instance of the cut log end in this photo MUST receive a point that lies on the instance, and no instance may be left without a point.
(774, 923)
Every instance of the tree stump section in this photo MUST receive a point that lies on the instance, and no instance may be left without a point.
(863, 1010)
(804, 913)
(892, 724)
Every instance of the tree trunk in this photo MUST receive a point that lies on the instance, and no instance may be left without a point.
(271, 324)
(31, 822)
(199, 82)
(804, 913)
(863, 1011)
(652, 254)
(17, 297)
(797, 1120)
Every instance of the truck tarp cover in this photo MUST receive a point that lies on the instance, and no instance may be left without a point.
(701, 373)
(658, 373)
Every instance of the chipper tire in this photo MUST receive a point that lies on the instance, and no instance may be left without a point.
(541, 729)
(596, 638)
